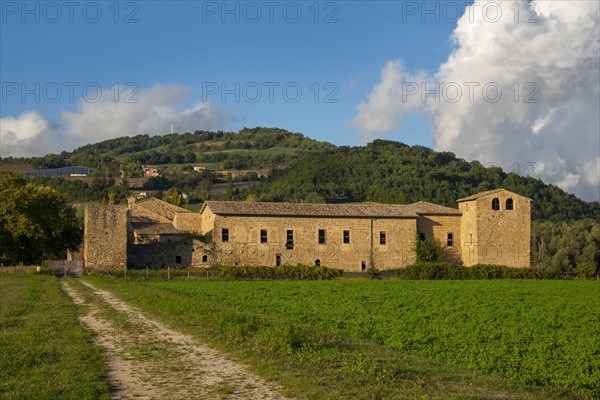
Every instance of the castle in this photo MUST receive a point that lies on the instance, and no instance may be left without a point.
(491, 227)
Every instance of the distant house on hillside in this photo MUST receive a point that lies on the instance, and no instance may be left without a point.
(491, 227)
(150, 172)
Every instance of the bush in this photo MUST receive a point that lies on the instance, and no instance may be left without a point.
(428, 250)
(445, 270)
(585, 270)
(286, 272)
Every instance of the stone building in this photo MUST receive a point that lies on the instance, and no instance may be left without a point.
(488, 228)
(147, 233)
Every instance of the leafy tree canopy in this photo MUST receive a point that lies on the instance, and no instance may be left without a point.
(36, 223)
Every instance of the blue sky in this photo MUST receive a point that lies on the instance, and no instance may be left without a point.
(346, 72)
(187, 43)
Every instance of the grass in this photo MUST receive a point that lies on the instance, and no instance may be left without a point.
(390, 340)
(44, 352)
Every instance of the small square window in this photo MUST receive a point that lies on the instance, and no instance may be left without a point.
(263, 236)
(346, 237)
(204, 259)
(421, 236)
(225, 235)
(382, 238)
(322, 237)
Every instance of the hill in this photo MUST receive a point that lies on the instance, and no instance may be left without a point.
(298, 169)
(392, 172)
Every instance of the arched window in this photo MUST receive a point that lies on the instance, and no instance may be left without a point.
(495, 204)
(510, 204)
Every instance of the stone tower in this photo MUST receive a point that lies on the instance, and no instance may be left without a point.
(495, 228)
(105, 237)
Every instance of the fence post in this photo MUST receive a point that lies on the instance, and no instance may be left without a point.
(168, 273)
(146, 272)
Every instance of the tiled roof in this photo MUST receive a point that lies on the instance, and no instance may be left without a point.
(427, 208)
(311, 210)
(487, 193)
(162, 208)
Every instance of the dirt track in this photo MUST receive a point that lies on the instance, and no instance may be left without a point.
(148, 360)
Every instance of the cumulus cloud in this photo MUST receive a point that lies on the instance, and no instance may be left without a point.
(149, 111)
(511, 93)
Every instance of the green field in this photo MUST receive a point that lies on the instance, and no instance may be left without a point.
(44, 352)
(528, 334)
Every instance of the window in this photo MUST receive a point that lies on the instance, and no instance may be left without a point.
(321, 236)
(317, 263)
(204, 259)
(225, 235)
(363, 265)
(263, 236)
(178, 260)
(382, 238)
(346, 236)
(495, 204)
(450, 240)
(421, 236)
(510, 204)
(278, 260)
(289, 244)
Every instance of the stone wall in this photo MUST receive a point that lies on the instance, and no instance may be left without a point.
(105, 237)
(174, 253)
(504, 235)
(438, 227)
(207, 220)
(244, 246)
(188, 222)
(468, 232)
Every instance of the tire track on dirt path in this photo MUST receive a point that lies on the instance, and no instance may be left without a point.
(148, 360)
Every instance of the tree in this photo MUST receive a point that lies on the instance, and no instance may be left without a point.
(230, 192)
(172, 196)
(36, 222)
(428, 250)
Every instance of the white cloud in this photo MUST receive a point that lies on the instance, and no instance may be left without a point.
(552, 120)
(157, 107)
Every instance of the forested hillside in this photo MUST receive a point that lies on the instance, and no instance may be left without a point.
(247, 149)
(392, 172)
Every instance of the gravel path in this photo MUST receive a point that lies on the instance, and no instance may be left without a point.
(148, 360)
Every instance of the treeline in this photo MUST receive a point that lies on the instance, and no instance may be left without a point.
(566, 247)
(100, 190)
(392, 172)
(111, 156)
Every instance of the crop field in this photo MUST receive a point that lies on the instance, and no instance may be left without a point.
(521, 339)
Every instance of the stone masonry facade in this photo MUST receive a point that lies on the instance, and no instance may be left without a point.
(491, 227)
